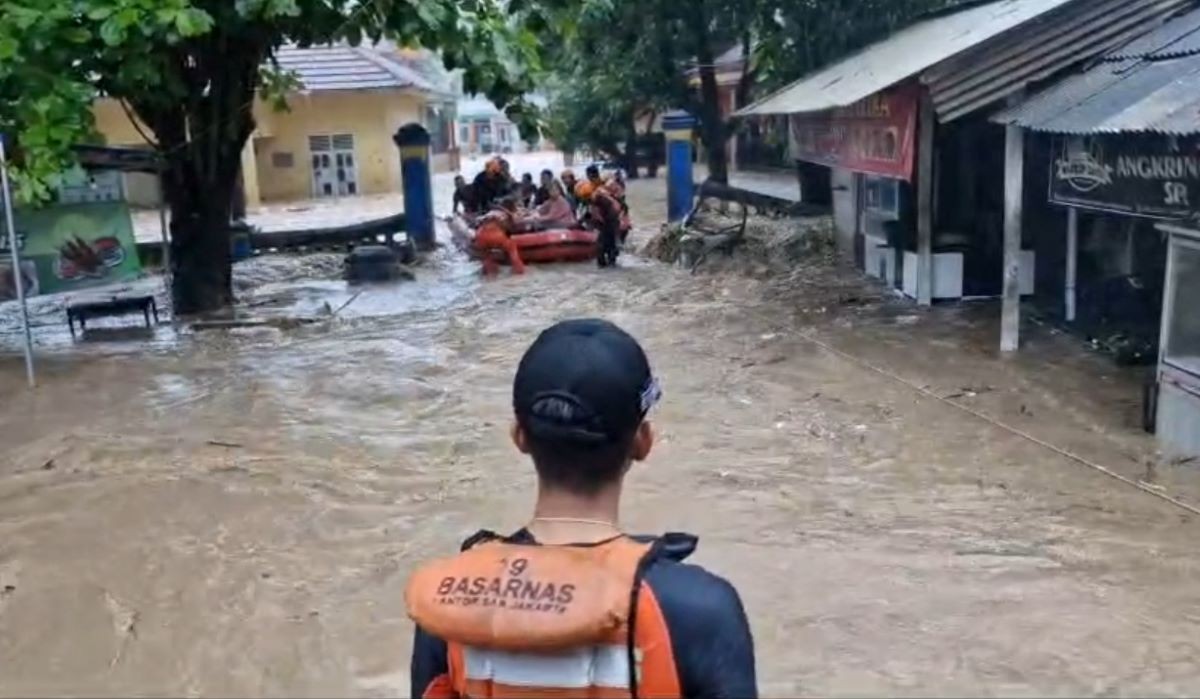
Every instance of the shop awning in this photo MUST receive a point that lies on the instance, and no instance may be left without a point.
(902, 55)
(1152, 84)
(974, 58)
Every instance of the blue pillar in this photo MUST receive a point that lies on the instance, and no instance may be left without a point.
(413, 141)
(678, 127)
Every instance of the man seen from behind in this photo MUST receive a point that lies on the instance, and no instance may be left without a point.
(570, 605)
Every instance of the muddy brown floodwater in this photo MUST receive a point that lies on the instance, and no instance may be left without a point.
(234, 513)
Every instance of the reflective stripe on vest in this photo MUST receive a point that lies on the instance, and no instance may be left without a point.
(605, 666)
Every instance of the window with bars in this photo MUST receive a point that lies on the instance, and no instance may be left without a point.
(325, 143)
(319, 144)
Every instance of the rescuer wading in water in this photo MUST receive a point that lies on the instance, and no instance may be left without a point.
(569, 605)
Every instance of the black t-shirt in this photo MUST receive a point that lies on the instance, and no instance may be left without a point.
(710, 635)
(489, 189)
(466, 197)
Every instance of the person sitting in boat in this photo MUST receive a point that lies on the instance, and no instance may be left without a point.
(464, 198)
(556, 212)
(569, 182)
(495, 231)
(543, 191)
(527, 190)
(490, 185)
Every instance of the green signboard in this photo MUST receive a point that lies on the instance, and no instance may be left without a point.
(69, 247)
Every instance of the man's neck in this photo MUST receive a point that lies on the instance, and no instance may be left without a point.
(565, 518)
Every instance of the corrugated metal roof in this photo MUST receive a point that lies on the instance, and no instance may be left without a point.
(1178, 37)
(1150, 84)
(1185, 46)
(1043, 47)
(342, 67)
(902, 55)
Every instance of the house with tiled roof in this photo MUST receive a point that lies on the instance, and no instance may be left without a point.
(335, 138)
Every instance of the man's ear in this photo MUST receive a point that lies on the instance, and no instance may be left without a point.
(643, 442)
(519, 439)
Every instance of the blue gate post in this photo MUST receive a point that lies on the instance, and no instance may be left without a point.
(413, 142)
(677, 126)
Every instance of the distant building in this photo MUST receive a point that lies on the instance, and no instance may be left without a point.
(336, 138)
(482, 128)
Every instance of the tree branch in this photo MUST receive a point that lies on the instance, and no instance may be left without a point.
(137, 124)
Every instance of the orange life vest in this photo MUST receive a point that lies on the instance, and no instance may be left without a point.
(547, 621)
(610, 204)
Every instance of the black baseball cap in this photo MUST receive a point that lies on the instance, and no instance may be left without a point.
(584, 382)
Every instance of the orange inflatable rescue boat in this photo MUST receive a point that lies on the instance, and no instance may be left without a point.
(554, 245)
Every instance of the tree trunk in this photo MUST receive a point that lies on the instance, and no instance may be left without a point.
(712, 126)
(200, 192)
(238, 210)
(201, 139)
(655, 154)
(746, 81)
(631, 150)
(200, 255)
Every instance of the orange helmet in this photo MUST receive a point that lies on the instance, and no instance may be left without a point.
(584, 190)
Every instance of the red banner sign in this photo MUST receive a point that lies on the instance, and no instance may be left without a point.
(875, 135)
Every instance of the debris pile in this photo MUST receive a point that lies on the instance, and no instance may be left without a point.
(767, 246)
(795, 258)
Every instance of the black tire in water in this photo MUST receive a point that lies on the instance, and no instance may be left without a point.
(371, 263)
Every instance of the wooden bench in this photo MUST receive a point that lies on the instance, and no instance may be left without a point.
(715, 197)
(116, 306)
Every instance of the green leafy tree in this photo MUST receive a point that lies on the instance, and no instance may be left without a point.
(190, 71)
(628, 57)
(628, 60)
(605, 103)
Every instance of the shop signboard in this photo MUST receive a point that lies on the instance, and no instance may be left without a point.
(70, 246)
(1134, 174)
(876, 135)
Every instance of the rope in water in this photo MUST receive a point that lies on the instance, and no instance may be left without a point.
(997, 423)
